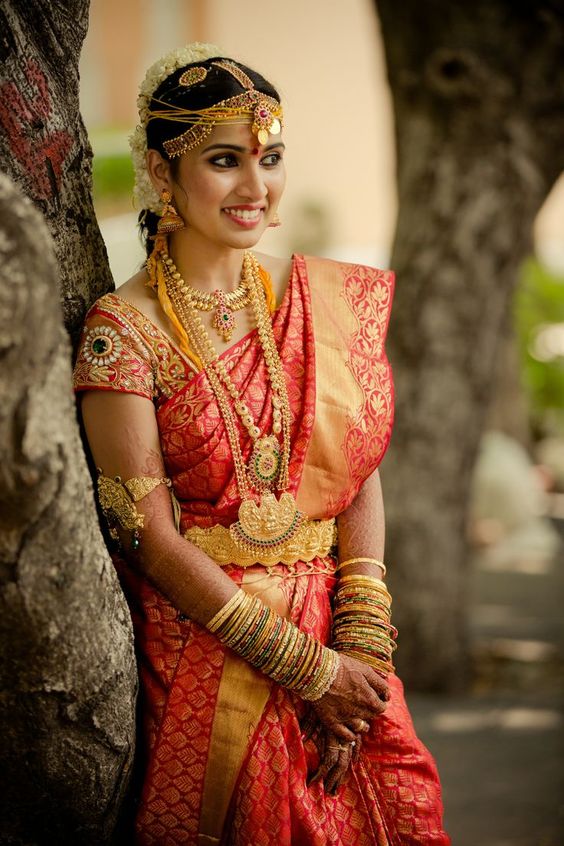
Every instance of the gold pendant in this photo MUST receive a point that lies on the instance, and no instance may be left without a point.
(268, 525)
(223, 318)
(264, 466)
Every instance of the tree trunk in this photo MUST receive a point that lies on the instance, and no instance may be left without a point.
(477, 91)
(43, 143)
(68, 678)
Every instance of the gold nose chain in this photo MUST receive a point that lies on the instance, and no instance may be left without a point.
(270, 524)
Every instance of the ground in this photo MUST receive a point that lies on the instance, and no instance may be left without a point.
(500, 750)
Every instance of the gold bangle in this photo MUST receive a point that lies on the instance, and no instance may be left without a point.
(360, 578)
(229, 606)
(274, 645)
(362, 560)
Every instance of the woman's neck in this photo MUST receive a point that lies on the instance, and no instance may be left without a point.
(204, 265)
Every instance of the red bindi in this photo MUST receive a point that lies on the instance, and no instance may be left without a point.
(255, 151)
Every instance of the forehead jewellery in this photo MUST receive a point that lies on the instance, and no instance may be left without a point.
(263, 112)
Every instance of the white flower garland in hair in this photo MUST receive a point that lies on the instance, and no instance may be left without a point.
(144, 194)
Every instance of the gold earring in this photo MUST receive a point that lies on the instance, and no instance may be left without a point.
(170, 219)
(275, 221)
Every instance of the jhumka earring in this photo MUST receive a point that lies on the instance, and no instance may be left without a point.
(275, 221)
(170, 219)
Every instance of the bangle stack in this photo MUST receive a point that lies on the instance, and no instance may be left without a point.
(363, 560)
(275, 646)
(361, 622)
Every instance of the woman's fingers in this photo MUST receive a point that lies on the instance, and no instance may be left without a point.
(358, 726)
(334, 764)
(327, 761)
(378, 684)
(336, 775)
(343, 732)
(308, 725)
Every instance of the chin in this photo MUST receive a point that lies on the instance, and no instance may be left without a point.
(244, 240)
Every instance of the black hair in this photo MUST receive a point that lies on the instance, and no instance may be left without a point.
(218, 85)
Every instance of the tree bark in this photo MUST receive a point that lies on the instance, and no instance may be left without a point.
(477, 92)
(43, 143)
(68, 678)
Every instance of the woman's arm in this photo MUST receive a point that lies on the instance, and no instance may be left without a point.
(361, 530)
(361, 535)
(123, 436)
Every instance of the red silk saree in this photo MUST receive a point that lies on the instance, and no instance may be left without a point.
(225, 761)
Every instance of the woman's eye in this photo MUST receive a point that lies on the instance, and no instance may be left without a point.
(271, 159)
(228, 160)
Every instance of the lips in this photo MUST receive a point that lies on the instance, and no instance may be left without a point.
(244, 213)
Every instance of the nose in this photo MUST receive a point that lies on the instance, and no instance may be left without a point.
(251, 184)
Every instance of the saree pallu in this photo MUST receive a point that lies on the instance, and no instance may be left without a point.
(226, 763)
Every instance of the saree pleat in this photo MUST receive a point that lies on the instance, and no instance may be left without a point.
(225, 760)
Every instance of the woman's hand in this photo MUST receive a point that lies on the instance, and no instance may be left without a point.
(335, 758)
(357, 695)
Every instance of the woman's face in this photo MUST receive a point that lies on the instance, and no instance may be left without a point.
(228, 189)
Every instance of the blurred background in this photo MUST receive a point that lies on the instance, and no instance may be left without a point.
(500, 746)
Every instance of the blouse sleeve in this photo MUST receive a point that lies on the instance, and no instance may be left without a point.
(112, 356)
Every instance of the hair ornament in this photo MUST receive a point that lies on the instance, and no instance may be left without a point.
(262, 111)
(144, 194)
(192, 76)
(235, 71)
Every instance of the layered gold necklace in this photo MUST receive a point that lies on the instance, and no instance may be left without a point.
(266, 526)
(223, 304)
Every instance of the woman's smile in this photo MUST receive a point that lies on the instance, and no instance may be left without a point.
(228, 191)
(246, 216)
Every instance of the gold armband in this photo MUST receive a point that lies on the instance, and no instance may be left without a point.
(117, 500)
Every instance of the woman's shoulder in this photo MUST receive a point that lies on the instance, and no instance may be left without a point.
(338, 266)
(133, 302)
(279, 269)
(347, 278)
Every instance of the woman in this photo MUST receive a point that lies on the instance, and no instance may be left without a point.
(237, 407)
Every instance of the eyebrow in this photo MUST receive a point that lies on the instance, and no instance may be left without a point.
(239, 149)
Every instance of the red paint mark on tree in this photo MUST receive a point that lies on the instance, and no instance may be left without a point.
(40, 151)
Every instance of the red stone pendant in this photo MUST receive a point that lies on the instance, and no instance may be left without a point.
(223, 318)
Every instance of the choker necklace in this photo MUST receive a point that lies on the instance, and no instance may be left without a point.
(268, 525)
(224, 306)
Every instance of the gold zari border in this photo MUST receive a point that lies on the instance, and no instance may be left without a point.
(313, 539)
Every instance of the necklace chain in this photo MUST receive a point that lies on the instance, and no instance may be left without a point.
(235, 300)
(266, 452)
(224, 304)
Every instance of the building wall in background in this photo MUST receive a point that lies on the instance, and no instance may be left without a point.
(326, 58)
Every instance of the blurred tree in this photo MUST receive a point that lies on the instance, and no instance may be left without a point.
(477, 92)
(68, 680)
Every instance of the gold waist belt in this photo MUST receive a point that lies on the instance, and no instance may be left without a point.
(313, 539)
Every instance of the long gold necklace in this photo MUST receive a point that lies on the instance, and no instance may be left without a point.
(273, 522)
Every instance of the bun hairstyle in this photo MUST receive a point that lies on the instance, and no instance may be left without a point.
(177, 92)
